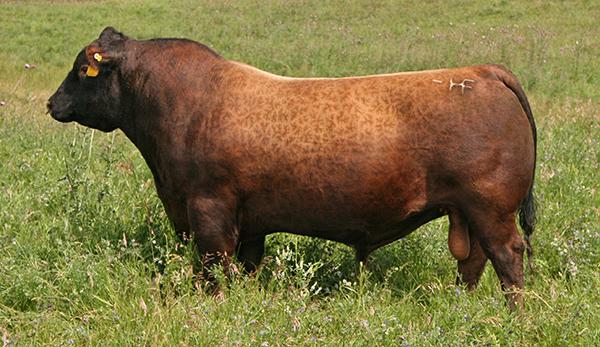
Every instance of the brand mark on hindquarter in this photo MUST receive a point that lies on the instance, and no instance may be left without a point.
(462, 85)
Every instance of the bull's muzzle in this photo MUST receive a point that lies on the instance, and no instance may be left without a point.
(58, 110)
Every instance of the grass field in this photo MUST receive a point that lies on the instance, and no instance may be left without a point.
(87, 255)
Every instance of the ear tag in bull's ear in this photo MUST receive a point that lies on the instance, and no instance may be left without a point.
(92, 71)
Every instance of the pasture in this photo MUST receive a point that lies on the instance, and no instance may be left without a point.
(87, 254)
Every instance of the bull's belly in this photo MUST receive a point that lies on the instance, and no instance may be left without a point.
(370, 219)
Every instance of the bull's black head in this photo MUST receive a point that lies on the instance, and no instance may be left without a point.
(91, 93)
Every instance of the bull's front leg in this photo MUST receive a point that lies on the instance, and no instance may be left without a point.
(250, 252)
(212, 225)
(177, 213)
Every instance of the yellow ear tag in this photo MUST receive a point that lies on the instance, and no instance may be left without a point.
(98, 57)
(92, 71)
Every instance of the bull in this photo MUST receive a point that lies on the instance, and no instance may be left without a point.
(238, 153)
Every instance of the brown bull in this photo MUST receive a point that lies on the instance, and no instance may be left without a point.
(238, 153)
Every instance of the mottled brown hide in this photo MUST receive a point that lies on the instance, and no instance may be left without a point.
(238, 153)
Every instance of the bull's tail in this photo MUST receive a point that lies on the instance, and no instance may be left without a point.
(527, 209)
(527, 220)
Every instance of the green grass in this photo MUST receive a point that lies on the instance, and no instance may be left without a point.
(87, 255)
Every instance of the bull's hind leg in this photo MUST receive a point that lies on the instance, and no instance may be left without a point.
(465, 248)
(503, 245)
(471, 268)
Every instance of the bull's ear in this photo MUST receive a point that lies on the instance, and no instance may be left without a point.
(111, 43)
(107, 50)
(110, 34)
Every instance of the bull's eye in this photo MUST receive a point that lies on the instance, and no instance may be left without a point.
(83, 70)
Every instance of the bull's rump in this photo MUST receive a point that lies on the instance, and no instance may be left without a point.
(354, 152)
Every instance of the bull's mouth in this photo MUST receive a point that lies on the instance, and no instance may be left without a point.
(61, 117)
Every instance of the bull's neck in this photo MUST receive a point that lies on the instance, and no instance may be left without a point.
(165, 94)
